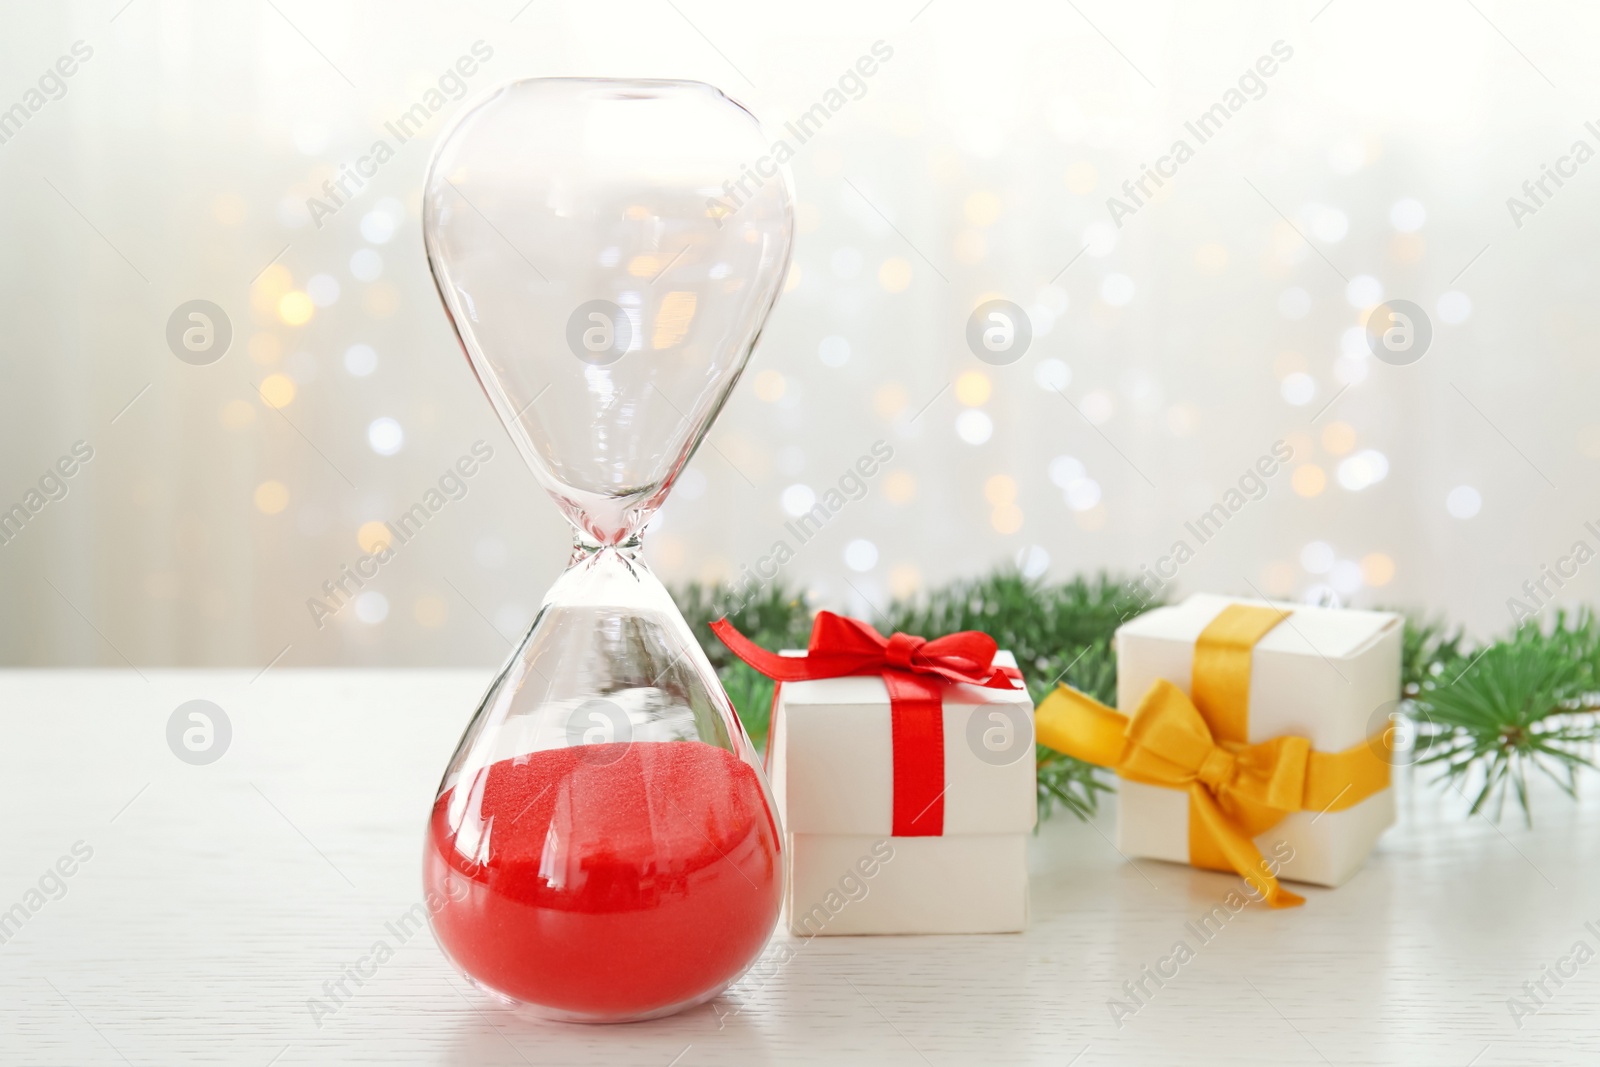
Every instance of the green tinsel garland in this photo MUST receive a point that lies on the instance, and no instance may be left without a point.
(1483, 715)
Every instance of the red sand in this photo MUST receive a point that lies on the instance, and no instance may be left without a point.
(620, 879)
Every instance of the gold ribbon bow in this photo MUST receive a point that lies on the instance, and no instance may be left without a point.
(1236, 790)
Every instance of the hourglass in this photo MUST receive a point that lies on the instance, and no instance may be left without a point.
(604, 846)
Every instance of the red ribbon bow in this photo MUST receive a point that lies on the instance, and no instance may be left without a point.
(914, 670)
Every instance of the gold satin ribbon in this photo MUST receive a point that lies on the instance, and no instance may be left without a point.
(1236, 790)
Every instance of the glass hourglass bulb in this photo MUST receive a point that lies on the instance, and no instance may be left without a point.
(604, 846)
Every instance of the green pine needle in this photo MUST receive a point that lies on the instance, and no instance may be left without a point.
(1521, 705)
(1431, 654)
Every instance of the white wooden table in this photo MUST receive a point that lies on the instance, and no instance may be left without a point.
(220, 899)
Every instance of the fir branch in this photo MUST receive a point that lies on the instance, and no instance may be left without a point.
(1431, 654)
(1521, 705)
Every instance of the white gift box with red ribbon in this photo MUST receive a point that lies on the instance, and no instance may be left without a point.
(833, 767)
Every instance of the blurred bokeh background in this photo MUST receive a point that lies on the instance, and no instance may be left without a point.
(1169, 353)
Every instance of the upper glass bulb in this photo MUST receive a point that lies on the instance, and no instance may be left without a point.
(607, 257)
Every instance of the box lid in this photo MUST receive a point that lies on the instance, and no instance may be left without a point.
(1327, 674)
(832, 757)
(1334, 633)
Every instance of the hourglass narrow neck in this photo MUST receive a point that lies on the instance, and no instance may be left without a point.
(585, 548)
(615, 577)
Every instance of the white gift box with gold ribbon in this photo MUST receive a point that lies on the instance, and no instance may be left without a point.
(1331, 676)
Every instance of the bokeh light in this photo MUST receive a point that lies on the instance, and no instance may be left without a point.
(385, 436)
(861, 555)
(1463, 502)
(1308, 480)
(973, 388)
(373, 536)
(277, 390)
(271, 497)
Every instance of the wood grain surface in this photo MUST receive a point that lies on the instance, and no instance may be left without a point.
(220, 900)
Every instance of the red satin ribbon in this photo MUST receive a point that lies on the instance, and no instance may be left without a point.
(914, 671)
